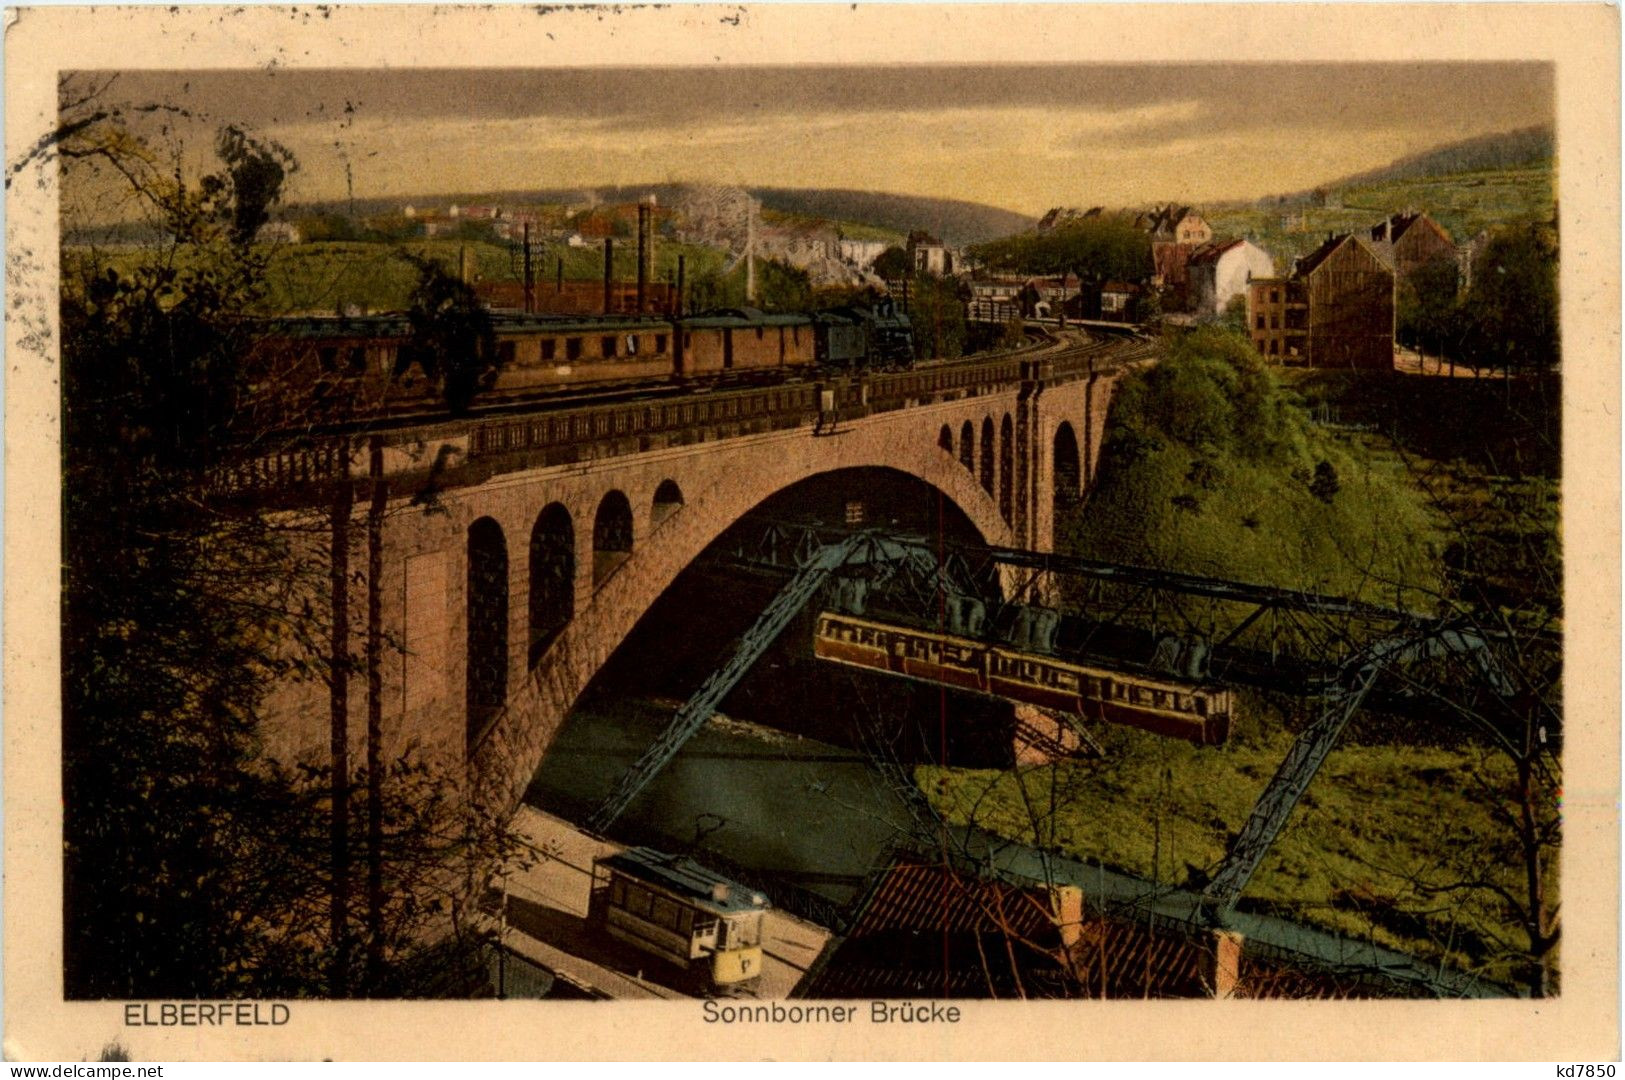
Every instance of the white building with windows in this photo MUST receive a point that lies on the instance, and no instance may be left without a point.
(1218, 273)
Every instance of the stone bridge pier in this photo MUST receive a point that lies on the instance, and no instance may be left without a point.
(507, 577)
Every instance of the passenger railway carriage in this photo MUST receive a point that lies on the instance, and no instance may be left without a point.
(1195, 712)
(676, 909)
(365, 361)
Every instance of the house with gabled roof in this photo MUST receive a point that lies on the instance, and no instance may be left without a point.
(1409, 241)
(1336, 310)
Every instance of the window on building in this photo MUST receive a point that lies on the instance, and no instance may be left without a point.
(549, 348)
(1260, 325)
(606, 345)
(572, 348)
(631, 344)
(1275, 347)
(1275, 322)
(358, 359)
(660, 343)
(760, 332)
(505, 352)
(1275, 296)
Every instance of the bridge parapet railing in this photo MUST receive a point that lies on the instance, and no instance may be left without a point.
(301, 463)
(789, 405)
(313, 461)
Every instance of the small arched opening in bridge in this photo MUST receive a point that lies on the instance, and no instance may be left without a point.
(487, 619)
(987, 455)
(611, 536)
(967, 446)
(1066, 468)
(668, 500)
(945, 438)
(552, 577)
(1007, 468)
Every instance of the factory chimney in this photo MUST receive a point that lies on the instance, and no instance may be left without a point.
(646, 251)
(530, 274)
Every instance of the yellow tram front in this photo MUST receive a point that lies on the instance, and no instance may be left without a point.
(674, 908)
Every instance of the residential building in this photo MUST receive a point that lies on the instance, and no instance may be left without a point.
(929, 255)
(1409, 241)
(1176, 233)
(1217, 273)
(1336, 310)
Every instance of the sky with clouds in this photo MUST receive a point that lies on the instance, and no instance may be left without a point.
(1020, 137)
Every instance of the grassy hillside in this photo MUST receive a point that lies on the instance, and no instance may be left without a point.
(322, 277)
(955, 220)
(1464, 203)
(1375, 815)
(1468, 187)
(1212, 467)
(1526, 148)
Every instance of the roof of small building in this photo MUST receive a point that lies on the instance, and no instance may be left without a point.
(1212, 251)
(681, 874)
(1308, 263)
(735, 318)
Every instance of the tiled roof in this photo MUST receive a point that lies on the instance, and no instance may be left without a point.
(1211, 252)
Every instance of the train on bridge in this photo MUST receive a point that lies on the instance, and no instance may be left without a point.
(374, 363)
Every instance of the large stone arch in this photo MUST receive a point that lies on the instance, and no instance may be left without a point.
(509, 755)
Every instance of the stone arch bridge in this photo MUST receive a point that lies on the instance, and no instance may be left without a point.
(504, 558)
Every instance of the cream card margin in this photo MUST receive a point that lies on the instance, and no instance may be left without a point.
(1581, 40)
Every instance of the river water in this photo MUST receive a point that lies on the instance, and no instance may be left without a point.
(788, 808)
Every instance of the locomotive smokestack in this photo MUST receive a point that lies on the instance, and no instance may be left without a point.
(646, 250)
(609, 272)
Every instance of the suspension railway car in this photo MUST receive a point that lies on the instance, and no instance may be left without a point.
(672, 907)
(1198, 713)
(367, 360)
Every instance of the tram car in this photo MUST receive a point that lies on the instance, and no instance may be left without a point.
(1196, 712)
(672, 907)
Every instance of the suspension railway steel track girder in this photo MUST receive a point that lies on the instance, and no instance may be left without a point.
(820, 553)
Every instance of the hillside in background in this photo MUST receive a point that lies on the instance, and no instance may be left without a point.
(957, 222)
(1520, 149)
(1467, 187)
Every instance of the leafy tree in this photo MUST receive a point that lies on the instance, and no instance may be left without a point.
(937, 316)
(1425, 303)
(782, 287)
(193, 865)
(1509, 319)
(893, 264)
(1235, 315)
(1325, 484)
(452, 338)
(1097, 250)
